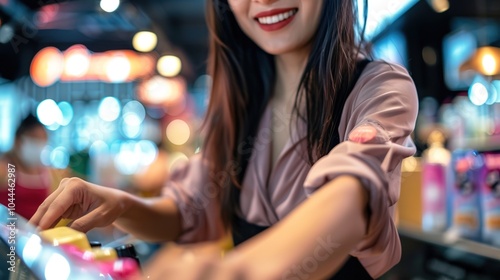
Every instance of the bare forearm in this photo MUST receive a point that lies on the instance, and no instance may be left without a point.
(314, 240)
(155, 220)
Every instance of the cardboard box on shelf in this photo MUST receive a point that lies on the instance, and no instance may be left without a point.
(409, 206)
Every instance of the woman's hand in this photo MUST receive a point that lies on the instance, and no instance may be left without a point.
(88, 205)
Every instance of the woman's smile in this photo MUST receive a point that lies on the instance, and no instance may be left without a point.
(276, 19)
(278, 26)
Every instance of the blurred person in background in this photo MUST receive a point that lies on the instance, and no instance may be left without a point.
(33, 181)
(301, 160)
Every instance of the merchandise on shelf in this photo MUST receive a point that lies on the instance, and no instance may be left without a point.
(490, 198)
(436, 160)
(465, 195)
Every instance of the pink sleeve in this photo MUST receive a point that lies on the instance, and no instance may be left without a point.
(196, 199)
(378, 119)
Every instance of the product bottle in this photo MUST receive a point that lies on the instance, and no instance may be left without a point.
(466, 208)
(490, 198)
(436, 160)
(128, 251)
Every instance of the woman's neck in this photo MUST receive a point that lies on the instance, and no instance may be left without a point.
(289, 70)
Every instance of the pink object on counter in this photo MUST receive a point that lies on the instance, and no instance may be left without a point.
(76, 252)
(383, 101)
(121, 269)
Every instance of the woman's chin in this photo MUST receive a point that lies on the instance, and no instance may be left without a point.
(278, 50)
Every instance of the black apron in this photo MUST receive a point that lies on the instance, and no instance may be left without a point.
(352, 268)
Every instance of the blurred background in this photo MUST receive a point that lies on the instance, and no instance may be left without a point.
(118, 90)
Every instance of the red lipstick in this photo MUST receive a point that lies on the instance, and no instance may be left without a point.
(275, 19)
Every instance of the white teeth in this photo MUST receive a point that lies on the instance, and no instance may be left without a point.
(276, 18)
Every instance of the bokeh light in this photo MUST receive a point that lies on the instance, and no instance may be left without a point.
(169, 66)
(53, 127)
(409, 164)
(167, 92)
(492, 94)
(131, 126)
(135, 107)
(57, 268)
(144, 41)
(99, 147)
(6, 33)
(126, 160)
(118, 68)
(49, 113)
(489, 64)
(440, 6)
(59, 158)
(76, 61)
(109, 109)
(67, 112)
(147, 150)
(478, 93)
(32, 249)
(178, 132)
(496, 84)
(47, 66)
(45, 155)
(109, 5)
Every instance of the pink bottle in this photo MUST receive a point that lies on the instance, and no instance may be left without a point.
(119, 269)
(436, 160)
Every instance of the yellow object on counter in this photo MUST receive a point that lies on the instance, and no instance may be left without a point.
(65, 235)
(63, 222)
(104, 254)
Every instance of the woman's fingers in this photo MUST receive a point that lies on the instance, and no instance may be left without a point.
(69, 195)
(42, 209)
(56, 209)
(89, 221)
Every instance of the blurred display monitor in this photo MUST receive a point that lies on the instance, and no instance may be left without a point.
(392, 48)
(460, 45)
(382, 13)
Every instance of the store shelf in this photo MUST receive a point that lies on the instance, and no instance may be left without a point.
(485, 144)
(441, 239)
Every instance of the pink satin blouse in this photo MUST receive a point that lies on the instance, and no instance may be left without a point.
(375, 129)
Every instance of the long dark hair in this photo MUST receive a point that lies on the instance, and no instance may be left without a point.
(243, 77)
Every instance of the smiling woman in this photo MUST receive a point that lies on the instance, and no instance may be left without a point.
(296, 21)
(304, 137)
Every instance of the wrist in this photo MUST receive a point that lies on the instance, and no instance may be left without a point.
(129, 201)
(126, 202)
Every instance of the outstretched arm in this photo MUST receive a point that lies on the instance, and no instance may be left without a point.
(90, 205)
(155, 220)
